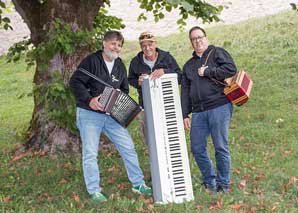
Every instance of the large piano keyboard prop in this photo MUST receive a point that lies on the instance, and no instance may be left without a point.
(171, 179)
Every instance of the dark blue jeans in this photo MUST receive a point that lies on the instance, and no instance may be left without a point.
(214, 122)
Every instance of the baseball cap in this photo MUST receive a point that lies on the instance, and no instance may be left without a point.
(146, 36)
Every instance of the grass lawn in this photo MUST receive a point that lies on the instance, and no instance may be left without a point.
(263, 134)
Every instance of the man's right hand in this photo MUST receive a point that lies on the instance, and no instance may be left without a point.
(187, 123)
(141, 79)
(95, 105)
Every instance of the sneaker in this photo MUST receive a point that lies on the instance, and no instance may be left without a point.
(142, 189)
(98, 197)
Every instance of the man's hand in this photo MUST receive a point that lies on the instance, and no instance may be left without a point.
(202, 70)
(157, 73)
(187, 123)
(141, 79)
(95, 105)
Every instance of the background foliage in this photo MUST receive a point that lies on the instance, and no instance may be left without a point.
(263, 134)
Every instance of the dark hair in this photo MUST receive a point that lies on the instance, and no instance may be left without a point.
(196, 28)
(113, 34)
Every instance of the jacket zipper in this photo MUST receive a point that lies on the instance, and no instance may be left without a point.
(199, 92)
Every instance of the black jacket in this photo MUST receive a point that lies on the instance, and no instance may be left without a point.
(203, 93)
(85, 87)
(137, 67)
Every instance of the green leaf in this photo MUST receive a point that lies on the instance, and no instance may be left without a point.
(168, 8)
(174, 1)
(5, 19)
(188, 7)
(2, 4)
(294, 6)
(161, 15)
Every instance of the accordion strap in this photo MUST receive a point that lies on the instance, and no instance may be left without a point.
(213, 79)
(94, 77)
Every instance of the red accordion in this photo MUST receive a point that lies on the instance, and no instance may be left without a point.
(238, 88)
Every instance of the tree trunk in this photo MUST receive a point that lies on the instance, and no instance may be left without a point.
(44, 134)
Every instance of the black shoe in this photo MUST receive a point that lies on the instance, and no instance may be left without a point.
(221, 189)
(211, 190)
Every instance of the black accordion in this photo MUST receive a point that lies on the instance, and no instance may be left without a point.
(119, 105)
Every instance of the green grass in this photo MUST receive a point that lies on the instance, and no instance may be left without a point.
(264, 150)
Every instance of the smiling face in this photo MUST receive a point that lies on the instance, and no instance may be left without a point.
(149, 49)
(199, 41)
(112, 48)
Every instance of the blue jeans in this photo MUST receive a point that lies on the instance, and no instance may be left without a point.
(214, 122)
(91, 124)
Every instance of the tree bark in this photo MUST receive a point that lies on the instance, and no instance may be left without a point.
(44, 134)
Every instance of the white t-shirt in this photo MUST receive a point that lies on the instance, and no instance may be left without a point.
(110, 65)
(149, 63)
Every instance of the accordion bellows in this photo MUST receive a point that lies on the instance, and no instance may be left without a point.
(119, 105)
(238, 88)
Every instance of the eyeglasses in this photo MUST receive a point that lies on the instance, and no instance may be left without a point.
(199, 38)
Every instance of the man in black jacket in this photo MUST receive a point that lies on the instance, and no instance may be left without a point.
(91, 120)
(150, 61)
(202, 95)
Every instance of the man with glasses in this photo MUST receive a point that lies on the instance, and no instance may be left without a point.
(92, 120)
(202, 95)
(150, 61)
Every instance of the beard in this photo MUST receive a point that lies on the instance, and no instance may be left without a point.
(111, 54)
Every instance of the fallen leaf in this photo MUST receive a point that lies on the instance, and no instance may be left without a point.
(76, 198)
(67, 166)
(149, 201)
(291, 182)
(114, 196)
(198, 207)
(20, 156)
(237, 206)
(273, 209)
(245, 177)
(6, 199)
(217, 205)
(38, 173)
(42, 153)
(242, 184)
(150, 207)
(111, 179)
(62, 181)
(237, 171)
(258, 192)
(40, 198)
(114, 169)
(260, 176)
(253, 168)
(140, 210)
(288, 152)
(122, 186)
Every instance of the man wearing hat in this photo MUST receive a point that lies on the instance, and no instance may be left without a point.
(150, 61)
